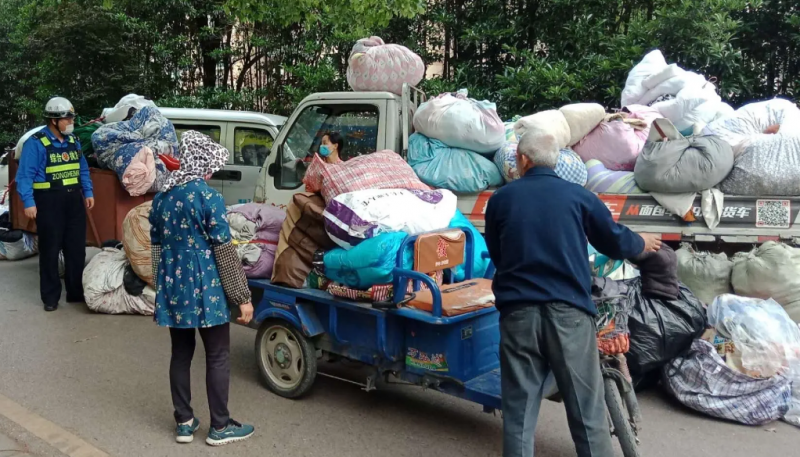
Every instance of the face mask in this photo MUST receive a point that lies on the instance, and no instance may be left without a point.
(68, 129)
(324, 150)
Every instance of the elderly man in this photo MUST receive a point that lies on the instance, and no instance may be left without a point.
(536, 229)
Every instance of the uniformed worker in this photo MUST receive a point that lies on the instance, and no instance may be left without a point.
(53, 181)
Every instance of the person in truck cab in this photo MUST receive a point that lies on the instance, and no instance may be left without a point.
(536, 231)
(331, 147)
(55, 188)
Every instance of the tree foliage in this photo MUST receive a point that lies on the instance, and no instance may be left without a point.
(266, 55)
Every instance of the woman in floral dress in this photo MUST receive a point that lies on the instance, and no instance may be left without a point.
(197, 276)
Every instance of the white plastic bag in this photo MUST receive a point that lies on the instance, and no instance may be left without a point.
(551, 122)
(356, 216)
(651, 64)
(28, 134)
(121, 110)
(461, 122)
(103, 286)
(768, 339)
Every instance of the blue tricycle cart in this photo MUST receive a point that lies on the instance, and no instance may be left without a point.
(457, 355)
(453, 354)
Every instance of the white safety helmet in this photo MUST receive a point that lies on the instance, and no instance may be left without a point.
(59, 108)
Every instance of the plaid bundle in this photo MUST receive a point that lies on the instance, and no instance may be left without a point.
(702, 381)
(379, 170)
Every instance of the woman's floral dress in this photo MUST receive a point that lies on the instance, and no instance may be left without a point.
(187, 221)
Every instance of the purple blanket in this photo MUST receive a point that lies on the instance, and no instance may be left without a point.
(268, 219)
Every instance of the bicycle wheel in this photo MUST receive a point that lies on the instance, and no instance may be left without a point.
(622, 428)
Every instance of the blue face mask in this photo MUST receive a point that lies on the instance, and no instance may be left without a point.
(324, 150)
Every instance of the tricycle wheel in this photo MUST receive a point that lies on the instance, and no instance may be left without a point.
(622, 427)
(286, 359)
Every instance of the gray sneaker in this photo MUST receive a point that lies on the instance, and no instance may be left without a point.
(185, 433)
(232, 433)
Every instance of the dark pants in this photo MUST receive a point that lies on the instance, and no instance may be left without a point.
(217, 342)
(533, 341)
(61, 226)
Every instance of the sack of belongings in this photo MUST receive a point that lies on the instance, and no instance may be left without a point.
(551, 122)
(302, 233)
(455, 169)
(765, 338)
(706, 274)
(104, 289)
(376, 66)
(661, 329)
(117, 145)
(582, 118)
(683, 97)
(357, 216)
(136, 239)
(754, 121)
(368, 264)
(379, 170)
(701, 380)
(255, 229)
(602, 180)
(479, 263)
(683, 165)
(771, 270)
(16, 245)
(125, 108)
(765, 140)
(461, 122)
(618, 139)
(570, 167)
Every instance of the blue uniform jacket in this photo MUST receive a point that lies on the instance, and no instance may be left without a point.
(536, 231)
(33, 162)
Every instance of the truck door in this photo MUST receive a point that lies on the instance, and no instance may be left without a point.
(217, 133)
(361, 123)
(251, 147)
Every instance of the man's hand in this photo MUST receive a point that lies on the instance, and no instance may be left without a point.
(30, 213)
(246, 310)
(652, 242)
(90, 202)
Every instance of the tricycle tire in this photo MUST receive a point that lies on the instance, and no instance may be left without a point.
(622, 427)
(286, 359)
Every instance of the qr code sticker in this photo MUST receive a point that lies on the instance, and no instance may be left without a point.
(773, 213)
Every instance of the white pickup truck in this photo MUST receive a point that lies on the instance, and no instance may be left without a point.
(373, 121)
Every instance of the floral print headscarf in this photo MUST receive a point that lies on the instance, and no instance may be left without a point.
(200, 156)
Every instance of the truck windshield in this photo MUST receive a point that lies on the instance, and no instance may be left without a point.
(358, 124)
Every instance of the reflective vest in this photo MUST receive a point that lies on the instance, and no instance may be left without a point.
(63, 165)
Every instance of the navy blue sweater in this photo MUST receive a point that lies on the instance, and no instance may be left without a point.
(536, 230)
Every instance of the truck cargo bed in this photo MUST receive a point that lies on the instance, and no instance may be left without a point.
(745, 219)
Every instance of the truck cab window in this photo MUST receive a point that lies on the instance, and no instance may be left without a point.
(358, 124)
(251, 146)
(215, 132)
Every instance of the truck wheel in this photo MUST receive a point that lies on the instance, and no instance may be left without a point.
(622, 428)
(286, 359)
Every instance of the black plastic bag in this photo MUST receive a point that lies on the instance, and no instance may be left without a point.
(133, 284)
(10, 236)
(660, 329)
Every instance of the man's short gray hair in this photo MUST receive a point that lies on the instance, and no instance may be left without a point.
(541, 149)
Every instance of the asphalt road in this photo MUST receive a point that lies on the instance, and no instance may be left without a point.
(104, 379)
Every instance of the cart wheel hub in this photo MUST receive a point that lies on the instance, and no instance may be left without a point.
(283, 356)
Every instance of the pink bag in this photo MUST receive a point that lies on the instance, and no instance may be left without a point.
(379, 170)
(375, 66)
(141, 173)
(617, 143)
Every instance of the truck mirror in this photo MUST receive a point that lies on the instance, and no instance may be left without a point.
(274, 169)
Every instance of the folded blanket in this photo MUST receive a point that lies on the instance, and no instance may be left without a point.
(659, 273)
